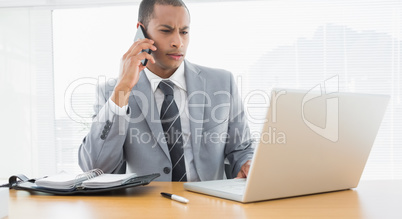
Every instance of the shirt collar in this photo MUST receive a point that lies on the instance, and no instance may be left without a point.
(177, 78)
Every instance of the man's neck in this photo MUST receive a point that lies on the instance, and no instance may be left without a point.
(163, 73)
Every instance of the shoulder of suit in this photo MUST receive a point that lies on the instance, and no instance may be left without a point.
(211, 72)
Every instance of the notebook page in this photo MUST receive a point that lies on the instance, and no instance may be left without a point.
(107, 180)
(58, 181)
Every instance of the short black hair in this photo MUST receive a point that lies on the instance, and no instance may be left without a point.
(146, 9)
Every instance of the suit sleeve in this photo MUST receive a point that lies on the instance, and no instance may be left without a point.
(239, 147)
(103, 146)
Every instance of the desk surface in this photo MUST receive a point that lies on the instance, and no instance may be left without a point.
(371, 199)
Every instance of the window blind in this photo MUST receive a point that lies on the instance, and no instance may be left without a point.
(26, 92)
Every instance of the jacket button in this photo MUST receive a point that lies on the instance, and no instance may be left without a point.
(103, 137)
(166, 170)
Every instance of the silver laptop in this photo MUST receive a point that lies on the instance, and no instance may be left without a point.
(311, 143)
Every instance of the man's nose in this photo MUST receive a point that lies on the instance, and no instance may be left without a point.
(177, 41)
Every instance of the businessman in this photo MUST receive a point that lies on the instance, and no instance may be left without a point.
(171, 116)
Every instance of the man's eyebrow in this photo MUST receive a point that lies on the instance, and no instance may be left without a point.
(171, 28)
(166, 26)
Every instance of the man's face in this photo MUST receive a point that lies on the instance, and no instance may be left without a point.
(169, 29)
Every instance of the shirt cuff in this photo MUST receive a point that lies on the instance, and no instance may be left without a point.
(120, 111)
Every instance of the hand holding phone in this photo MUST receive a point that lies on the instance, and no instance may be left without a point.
(141, 34)
(131, 64)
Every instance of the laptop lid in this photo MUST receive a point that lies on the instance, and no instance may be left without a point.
(313, 143)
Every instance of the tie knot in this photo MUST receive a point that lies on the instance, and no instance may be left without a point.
(167, 87)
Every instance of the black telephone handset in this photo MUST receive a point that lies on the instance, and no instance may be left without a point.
(141, 35)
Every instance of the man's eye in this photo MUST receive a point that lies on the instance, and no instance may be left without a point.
(165, 31)
(184, 32)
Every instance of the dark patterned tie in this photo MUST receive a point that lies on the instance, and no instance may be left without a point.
(170, 120)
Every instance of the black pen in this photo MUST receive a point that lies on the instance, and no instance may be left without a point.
(175, 197)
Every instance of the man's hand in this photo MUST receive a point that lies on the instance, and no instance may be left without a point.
(130, 68)
(243, 173)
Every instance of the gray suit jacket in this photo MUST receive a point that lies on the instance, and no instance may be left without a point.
(218, 128)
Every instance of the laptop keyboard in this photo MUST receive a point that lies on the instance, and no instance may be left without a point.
(233, 186)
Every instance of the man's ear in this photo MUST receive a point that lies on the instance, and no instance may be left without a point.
(139, 23)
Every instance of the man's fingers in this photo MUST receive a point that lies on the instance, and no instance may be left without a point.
(141, 56)
(247, 168)
(131, 48)
(243, 173)
(139, 42)
(138, 46)
(240, 175)
(142, 67)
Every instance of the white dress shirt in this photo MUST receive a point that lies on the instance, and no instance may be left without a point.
(180, 97)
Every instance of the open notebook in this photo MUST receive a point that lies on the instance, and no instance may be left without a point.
(88, 182)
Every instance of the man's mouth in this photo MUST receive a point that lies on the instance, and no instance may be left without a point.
(175, 56)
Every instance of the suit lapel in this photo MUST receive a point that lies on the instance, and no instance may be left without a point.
(145, 99)
(196, 99)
